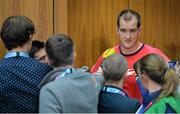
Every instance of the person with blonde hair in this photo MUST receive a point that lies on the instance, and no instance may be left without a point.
(161, 83)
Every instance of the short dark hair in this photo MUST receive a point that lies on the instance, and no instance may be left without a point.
(16, 31)
(36, 46)
(127, 15)
(60, 49)
(114, 67)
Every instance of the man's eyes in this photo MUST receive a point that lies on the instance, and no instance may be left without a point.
(130, 30)
(133, 30)
(123, 30)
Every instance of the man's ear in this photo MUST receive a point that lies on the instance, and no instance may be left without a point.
(74, 54)
(117, 29)
(31, 36)
(49, 62)
(117, 32)
(139, 30)
(125, 74)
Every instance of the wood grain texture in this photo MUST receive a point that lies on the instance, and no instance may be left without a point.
(61, 16)
(92, 25)
(39, 11)
(160, 24)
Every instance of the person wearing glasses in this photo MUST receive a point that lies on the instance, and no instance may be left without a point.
(160, 82)
(129, 30)
(38, 51)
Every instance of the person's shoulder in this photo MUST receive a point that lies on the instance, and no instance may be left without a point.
(35, 63)
(33, 66)
(61, 85)
(28, 61)
(134, 103)
(115, 48)
(79, 73)
(120, 98)
(151, 48)
(129, 101)
(17, 61)
(1, 59)
(118, 102)
(53, 85)
(2, 62)
(111, 51)
(51, 76)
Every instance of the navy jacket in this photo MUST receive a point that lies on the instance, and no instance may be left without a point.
(110, 102)
(19, 80)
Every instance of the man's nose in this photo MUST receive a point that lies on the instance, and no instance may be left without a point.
(128, 35)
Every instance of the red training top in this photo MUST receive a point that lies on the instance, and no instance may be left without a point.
(130, 85)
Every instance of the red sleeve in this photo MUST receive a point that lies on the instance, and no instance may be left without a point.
(163, 55)
(106, 54)
(98, 63)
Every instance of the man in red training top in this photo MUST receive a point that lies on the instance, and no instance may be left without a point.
(129, 29)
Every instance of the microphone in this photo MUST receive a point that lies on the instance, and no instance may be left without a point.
(108, 53)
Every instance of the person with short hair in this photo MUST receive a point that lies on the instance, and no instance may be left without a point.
(38, 51)
(129, 30)
(112, 98)
(20, 75)
(67, 89)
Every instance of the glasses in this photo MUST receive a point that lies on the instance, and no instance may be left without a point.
(43, 58)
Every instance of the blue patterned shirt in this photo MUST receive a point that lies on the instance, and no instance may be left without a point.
(19, 80)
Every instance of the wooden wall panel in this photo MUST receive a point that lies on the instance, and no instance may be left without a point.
(92, 25)
(61, 16)
(39, 11)
(160, 24)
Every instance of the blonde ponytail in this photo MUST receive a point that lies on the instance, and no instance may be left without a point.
(169, 84)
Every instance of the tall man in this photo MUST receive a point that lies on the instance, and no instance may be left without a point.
(129, 29)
